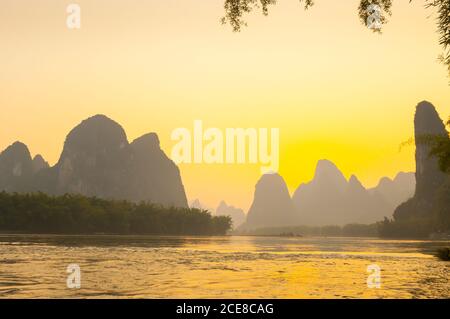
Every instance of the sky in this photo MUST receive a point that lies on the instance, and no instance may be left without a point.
(334, 89)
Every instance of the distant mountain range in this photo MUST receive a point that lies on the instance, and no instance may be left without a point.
(331, 199)
(97, 160)
(237, 215)
(328, 199)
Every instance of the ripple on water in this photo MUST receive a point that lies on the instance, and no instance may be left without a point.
(224, 267)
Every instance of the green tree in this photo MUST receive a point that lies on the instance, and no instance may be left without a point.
(76, 214)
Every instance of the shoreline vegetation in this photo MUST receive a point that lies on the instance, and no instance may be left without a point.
(72, 214)
(39, 213)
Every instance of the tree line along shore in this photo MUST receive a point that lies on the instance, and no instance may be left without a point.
(77, 214)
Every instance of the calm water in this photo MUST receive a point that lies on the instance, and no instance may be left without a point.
(219, 267)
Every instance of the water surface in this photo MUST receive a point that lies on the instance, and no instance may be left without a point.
(34, 266)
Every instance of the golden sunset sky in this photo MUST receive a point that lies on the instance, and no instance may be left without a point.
(335, 89)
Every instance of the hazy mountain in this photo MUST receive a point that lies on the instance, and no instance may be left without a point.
(16, 168)
(154, 176)
(97, 160)
(39, 164)
(433, 186)
(272, 204)
(319, 201)
(398, 190)
(237, 215)
(329, 199)
(196, 204)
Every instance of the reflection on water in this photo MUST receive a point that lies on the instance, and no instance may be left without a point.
(219, 267)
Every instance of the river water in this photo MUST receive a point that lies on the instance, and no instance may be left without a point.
(35, 266)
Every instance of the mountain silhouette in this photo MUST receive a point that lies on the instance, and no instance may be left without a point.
(272, 204)
(397, 190)
(97, 160)
(223, 209)
(199, 205)
(159, 182)
(329, 199)
(433, 186)
(16, 168)
(39, 164)
(237, 215)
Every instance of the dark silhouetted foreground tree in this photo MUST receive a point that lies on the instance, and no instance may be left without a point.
(236, 9)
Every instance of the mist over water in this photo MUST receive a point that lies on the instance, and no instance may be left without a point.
(34, 266)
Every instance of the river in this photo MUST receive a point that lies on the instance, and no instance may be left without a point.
(35, 266)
